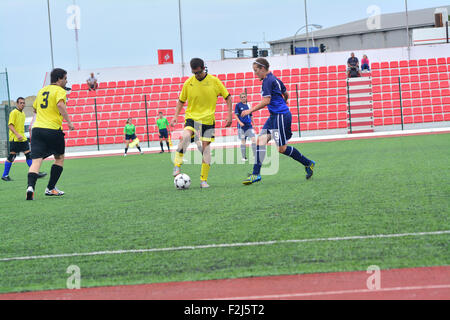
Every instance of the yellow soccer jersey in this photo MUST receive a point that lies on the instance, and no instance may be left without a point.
(17, 119)
(201, 97)
(47, 112)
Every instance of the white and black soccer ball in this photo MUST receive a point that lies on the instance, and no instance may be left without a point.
(182, 181)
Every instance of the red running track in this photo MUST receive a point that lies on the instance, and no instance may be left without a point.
(428, 283)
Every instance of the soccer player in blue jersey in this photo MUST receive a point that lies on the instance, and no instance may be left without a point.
(278, 126)
(244, 125)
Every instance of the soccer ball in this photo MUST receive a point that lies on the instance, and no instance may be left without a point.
(182, 181)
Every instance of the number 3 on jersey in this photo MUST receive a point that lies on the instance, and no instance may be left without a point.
(45, 100)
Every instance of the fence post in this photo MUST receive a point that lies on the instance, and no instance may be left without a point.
(298, 112)
(6, 127)
(349, 110)
(446, 30)
(146, 120)
(401, 101)
(96, 123)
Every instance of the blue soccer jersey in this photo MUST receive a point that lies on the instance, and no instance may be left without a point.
(274, 88)
(240, 107)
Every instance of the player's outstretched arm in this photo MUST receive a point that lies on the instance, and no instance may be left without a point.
(239, 121)
(264, 103)
(230, 111)
(178, 109)
(17, 134)
(63, 111)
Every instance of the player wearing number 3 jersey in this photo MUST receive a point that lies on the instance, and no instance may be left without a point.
(47, 137)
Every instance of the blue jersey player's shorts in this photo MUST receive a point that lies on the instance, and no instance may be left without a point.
(279, 127)
(246, 131)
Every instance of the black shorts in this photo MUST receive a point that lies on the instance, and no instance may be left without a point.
(47, 142)
(205, 132)
(130, 137)
(18, 147)
(163, 133)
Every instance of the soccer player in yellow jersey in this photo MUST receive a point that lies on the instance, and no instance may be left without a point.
(18, 142)
(201, 92)
(47, 137)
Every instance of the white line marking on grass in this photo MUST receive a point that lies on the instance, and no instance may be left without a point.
(224, 245)
(325, 293)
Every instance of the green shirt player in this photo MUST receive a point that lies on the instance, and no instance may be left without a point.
(163, 126)
(130, 135)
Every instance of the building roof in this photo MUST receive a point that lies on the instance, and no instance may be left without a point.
(390, 21)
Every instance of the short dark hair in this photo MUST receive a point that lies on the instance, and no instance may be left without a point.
(197, 63)
(20, 98)
(262, 63)
(57, 74)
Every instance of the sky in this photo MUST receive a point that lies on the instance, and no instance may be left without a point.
(120, 33)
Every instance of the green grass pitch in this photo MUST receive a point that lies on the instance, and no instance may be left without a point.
(360, 187)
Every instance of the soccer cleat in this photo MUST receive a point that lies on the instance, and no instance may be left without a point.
(310, 170)
(142, 152)
(252, 178)
(244, 159)
(54, 192)
(124, 154)
(6, 178)
(176, 171)
(161, 152)
(41, 174)
(204, 185)
(30, 193)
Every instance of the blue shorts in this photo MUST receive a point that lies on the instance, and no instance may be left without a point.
(163, 133)
(130, 137)
(246, 131)
(279, 127)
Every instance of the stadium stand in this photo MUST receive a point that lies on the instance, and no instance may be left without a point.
(421, 87)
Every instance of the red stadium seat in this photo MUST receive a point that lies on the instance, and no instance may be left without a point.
(375, 65)
(393, 64)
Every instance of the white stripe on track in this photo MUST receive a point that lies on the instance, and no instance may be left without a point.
(224, 245)
(326, 293)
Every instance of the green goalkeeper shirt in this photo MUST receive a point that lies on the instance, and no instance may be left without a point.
(162, 123)
(129, 129)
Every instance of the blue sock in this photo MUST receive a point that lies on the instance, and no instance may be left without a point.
(260, 155)
(29, 162)
(7, 168)
(296, 155)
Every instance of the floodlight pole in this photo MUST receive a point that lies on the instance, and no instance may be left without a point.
(407, 30)
(181, 38)
(307, 36)
(50, 31)
(76, 39)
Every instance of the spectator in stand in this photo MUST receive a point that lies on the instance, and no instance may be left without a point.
(92, 82)
(353, 66)
(365, 65)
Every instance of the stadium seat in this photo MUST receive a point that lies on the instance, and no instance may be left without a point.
(393, 64)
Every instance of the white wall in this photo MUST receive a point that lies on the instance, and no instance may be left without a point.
(245, 65)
